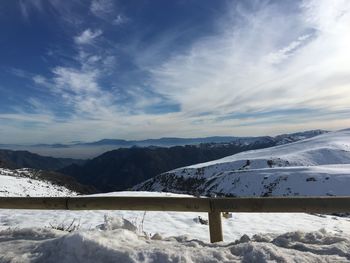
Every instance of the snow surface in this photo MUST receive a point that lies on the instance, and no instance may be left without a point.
(19, 183)
(100, 236)
(177, 223)
(328, 148)
(315, 166)
(296, 181)
(120, 245)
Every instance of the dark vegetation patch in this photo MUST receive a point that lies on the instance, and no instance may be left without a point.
(24, 159)
(311, 179)
(124, 168)
(59, 179)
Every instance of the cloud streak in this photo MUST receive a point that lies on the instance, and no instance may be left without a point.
(107, 11)
(266, 69)
(56, 9)
(274, 60)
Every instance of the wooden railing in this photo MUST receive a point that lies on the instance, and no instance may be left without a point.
(212, 206)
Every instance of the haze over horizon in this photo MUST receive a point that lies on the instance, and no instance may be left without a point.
(88, 70)
(106, 141)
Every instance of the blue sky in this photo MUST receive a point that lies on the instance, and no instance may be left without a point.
(86, 70)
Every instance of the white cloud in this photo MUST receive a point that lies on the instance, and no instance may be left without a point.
(269, 59)
(265, 60)
(40, 80)
(282, 54)
(76, 81)
(80, 90)
(87, 36)
(38, 118)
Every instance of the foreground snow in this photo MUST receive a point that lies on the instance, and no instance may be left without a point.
(316, 166)
(120, 245)
(177, 223)
(100, 236)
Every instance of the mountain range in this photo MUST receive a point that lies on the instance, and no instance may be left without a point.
(125, 167)
(88, 150)
(25, 159)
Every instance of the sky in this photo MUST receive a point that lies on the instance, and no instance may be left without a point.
(135, 69)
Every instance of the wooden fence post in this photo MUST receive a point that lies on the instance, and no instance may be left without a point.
(215, 227)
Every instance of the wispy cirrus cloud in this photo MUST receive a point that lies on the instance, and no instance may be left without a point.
(102, 8)
(265, 69)
(269, 59)
(55, 8)
(80, 90)
(107, 10)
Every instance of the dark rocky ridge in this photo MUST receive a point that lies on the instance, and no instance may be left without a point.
(63, 180)
(123, 168)
(24, 159)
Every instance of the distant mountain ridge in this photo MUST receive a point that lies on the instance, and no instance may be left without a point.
(177, 141)
(24, 159)
(125, 167)
(165, 141)
(87, 150)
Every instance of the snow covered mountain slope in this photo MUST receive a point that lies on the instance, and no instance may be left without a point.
(329, 148)
(315, 166)
(20, 182)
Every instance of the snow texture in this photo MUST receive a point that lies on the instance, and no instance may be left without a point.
(132, 236)
(19, 182)
(121, 245)
(315, 166)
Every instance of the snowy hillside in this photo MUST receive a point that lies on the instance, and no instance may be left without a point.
(139, 236)
(315, 166)
(20, 182)
(106, 236)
